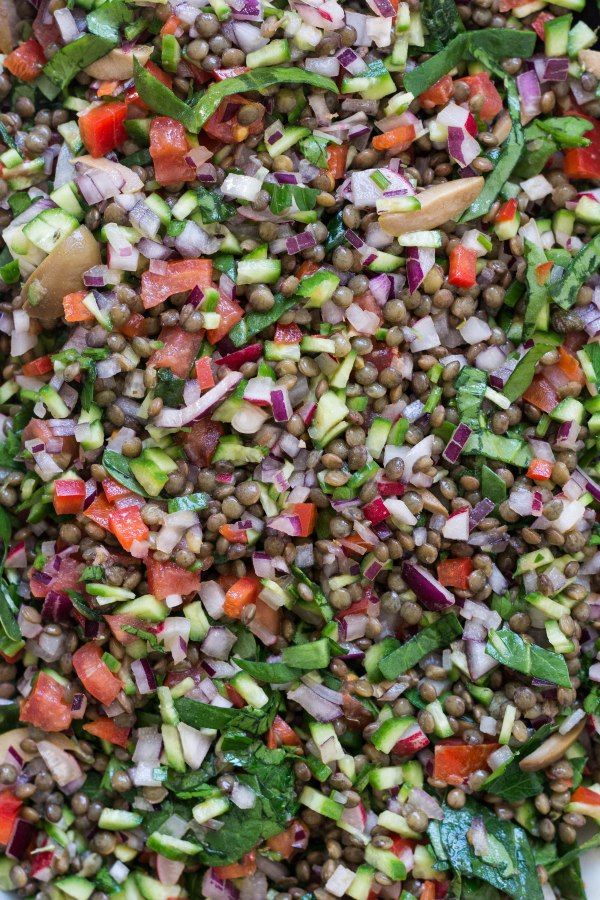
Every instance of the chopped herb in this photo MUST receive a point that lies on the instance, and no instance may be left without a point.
(433, 637)
(509, 649)
(522, 376)
(585, 264)
(212, 206)
(72, 58)
(118, 468)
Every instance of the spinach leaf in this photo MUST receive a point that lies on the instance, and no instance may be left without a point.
(509, 649)
(442, 21)
(202, 715)
(522, 376)
(192, 784)
(10, 449)
(472, 889)
(213, 208)
(118, 468)
(169, 388)
(272, 673)
(433, 637)
(509, 866)
(255, 322)
(72, 58)
(510, 781)
(107, 18)
(570, 883)
(583, 266)
(537, 296)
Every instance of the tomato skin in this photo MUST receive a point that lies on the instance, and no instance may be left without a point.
(204, 373)
(287, 842)
(165, 578)
(9, 813)
(455, 572)
(453, 763)
(507, 211)
(135, 326)
(66, 578)
(482, 84)
(114, 491)
(288, 334)
(201, 441)
(168, 149)
(438, 94)
(265, 619)
(224, 126)
(99, 511)
(180, 275)
(26, 61)
(117, 621)
(585, 795)
(307, 513)
(107, 730)
(231, 313)
(541, 394)
(539, 22)
(95, 675)
(179, 351)
(46, 707)
(102, 127)
(584, 162)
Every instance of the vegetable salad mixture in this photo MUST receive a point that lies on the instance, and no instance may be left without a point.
(299, 469)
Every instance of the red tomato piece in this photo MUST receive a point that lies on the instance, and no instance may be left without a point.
(116, 623)
(128, 526)
(244, 591)
(282, 735)
(453, 763)
(102, 127)
(224, 125)
(99, 511)
(26, 61)
(41, 366)
(337, 155)
(9, 813)
(168, 149)
(585, 795)
(542, 272)
(204, 373)
(541, 394)
(507, 211)
(66, 578)
(179, 351)
(180, 275)
(438, 94)
(455, 572)
(288, 842)
(233, 535)
(266, 624)
(584, 162)
(238, 870)
(307, 513)
(483, 85)
(95, 675)
(46, 707)
(539, 469)
(107, 730)
(539, 22)
(463, 266)
(399, 138)
(135, 326)
(165, 578)
(201, 441)
(114, 491)
(74, 309)
(231, 313)
(68, 496)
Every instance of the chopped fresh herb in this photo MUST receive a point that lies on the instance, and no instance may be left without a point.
(272, 673)
(522, 376)
(106, 19)
(509, 781)
(509, 649)
(212, 206)
(433, 637)
(194, 502)
(72, 58)
(169, 388)
(585, 264)
(201, 715)
(118, 468)
(255, 322)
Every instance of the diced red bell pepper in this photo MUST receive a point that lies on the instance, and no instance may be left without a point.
(463, 266)
(26, 61)
(74, 309)
(231, 313)
(282, 735)
(539, 469)
(453, 763)
(507, 211)
(171, 25)
(307, 513)
(568, 365)
(9, 813)
(46, 706)
(584, 162)
(438, 94)
(95, 675)
(337, 154)
(107, 730)
(40, 366)
(102, 127)
(68, 496)
(179, 350)
(204, 373)
(376, 511)
(114, 491)
(244, 591)
(99, 511)
(168, 148)
(542, 272)
(128, 526)
(585, 795)
(539, 22)
(165, 578)
(483, 85)
(455, 572)
(288, 334)
(232, 534)
(541, 394)
(180, 275)
(238, 870)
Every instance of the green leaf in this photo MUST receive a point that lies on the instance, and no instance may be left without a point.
(441, 20)
(5, 534)
(585, 264)
(87, 394)
(318, 596)
(283, 196)
(202, 715)
(509, 649)
(169, 388)
(272, 673)
(253, 323)
(510, 781)
(212, 206)
(194, 502)
(82, 607)
(523, 374)
(8, 610)
(148, 636)
(314, 149)
(537, 294)
(433, 637)
(566, 858)
(72, 58)
(471, 385)
(10, 449)
(9, 715)
(159, 97)
(492, 486)
(106, 20)
(118, 468)
(567, 131)
(6, 137)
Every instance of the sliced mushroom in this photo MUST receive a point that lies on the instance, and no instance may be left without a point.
(439, 204)
(61, 273)
(551, 750)
(13, 739)
(8, 25)
(118, 64)
(590, 60)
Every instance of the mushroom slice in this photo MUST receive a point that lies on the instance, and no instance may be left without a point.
(61, 273)
(551, 750)
(118, 64)
(439, 204)
(8, 25)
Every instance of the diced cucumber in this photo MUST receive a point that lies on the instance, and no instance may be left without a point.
(534, 560)
(49, 228)
(581, 37)
(168, 713)
(185, 206)
(152, 469)
(145, 607)
(199, 624)
(76, 887)
(275, 53)
(569, 410)
(385, 861)
(66, 196)
(389, 732)
(256, 271)
(420, 239)
(373, 84)
(151, 889)
(556, 35)
(341, 376)
(442, 728)
(53, 402)
(119, 820)
(107, 593)
(384, 262)
(331, 410)
(171, 847)
(560, 642)
(324, 736)
(377, 436)
(289, 137)
(396, 824)
(247, 688)
(508, 720)
(375, 654)
(360, 889)
(386, 777)
(318, 802)
(317, 344)
(318, 287)
(424, 864)
(210, 809)
(172, 747)
(588, 210)
(160, 207)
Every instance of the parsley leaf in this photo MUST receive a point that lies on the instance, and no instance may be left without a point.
(510, 781)
(169, 388)
(509, 649)
(213, 208)
(433, 637)
(73, 57)
(314, 149)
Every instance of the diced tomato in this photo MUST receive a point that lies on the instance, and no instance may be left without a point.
(95, 675)
(569, 365)
(288, 334)
(539, 469)
(135, 326)
(40, 366)
(232, 534)
(583, 162)
(266, 622)
(427, 891)
(453, 763)
(507, 211)
(463, 266)
(46, 706)
(168, 149)
(539, 22)
(282, 735)
(201, 441)
(204, 373)
(132, 96)
(244, 591)
(307, 513)
(26, 61)
(585, 795)
(107, 89)
(399, 138)
(368, 302)
(165, 578)
(116, 623)
(232, 72)
(99, 511)
(68, 495)
(455, 572)
(107, 730)
(224, 124)
(128, 526)
(102, 127)
(171, 25)
(355, 609)
(541, 394)
(238, 870)
(42, 432)
(179, 350)
(66, 578)
(9, 813)
(542, 272)
(114, 491)
(381, 357)
(288, 842)
(44, 27)
(438, 94)
(306, 268)
(231, 313)
(74, 309)
(481, 84)
(180, 275)
(337, 154)
(233, 697)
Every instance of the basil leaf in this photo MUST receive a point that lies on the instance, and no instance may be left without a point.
(509, 649)
(72, 58)
(272, 673)
(254, 323)
(433, 637)
(585, 264)
(522, 376)
(107, 18)
(118, 468)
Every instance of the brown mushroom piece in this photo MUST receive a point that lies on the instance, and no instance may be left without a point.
(8, 25)
(551, 750)
(439, 204)
(61, 273)
(590, 60)
(118, 64)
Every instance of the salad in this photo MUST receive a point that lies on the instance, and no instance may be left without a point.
(299, 470)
